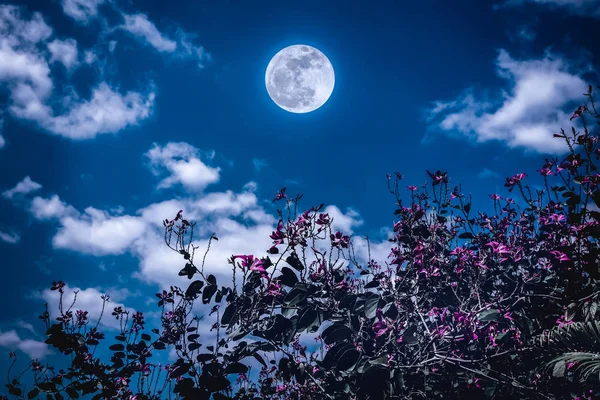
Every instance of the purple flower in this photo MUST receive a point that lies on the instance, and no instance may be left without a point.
(577, 113)
(280, 195)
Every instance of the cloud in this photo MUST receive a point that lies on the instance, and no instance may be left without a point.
(140, 27)
(32, 348)
(527, 115)
(189, 50)
(2, 141)
(106, 112)
(26, 73)
(52, 208)
(88, 300)
(89, 56)
(14, 29)
(258, 164)
(11, 238)
(63, 51)
(97, 233)
(587, 8)
(25, 186)
(81, 10)
(184, 167)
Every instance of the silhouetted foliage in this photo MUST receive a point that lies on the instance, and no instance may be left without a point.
(469, 306)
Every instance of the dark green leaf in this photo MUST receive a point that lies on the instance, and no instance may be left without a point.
(336, 333)
(371, 304)
(288, 277)
(489, 315)
(194, 289)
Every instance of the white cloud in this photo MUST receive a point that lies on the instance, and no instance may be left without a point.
(63, 51)
(25, 186)
(26, 73)
(139, 26)
(343, 222)
(2, 141)
(81, 10)
(88, 300)
(14, 29)
(32, 348)
(579, 7)
(98, 233)
(527, 115)
(181, 161)
(106, 112)
(11, 238)
(112, 45)
(145, 30)
(89, 56)
(52, 208)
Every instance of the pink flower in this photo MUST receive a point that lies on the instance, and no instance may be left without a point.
(577, 113)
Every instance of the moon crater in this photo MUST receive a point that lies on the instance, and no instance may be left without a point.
(300, 79)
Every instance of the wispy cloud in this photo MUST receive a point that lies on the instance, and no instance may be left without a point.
(526, 116)
(33, 348)
(11, 238)
(27, 185)
(259, 164)
(81, 10)
(139, 26)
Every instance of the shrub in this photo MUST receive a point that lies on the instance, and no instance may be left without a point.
(469, 306)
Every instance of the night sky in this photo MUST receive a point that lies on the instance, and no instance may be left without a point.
(118, 113)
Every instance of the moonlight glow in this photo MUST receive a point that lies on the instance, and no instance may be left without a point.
(299, 79)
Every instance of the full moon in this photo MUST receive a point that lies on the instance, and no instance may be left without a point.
(299, 79)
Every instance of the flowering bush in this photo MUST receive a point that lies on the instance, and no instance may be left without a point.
(470, 305)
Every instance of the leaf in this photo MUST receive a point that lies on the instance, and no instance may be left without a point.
(204, 357)
(371, 304)
(408, 337)
(295, 262)
(212, 280)
(559, 369)
(146, 337)
(117, 347)
(228, 314)
(194, 289)
(208, 293)
(297, 295)
(288, 277)
(336, 333)
(194, 346)
(489, 315)
(72, 392)
(236, 368)
(596, 197)
(259, 358)
(466, 235)
(372, 284)
(307, 317)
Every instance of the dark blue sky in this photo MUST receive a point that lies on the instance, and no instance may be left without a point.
(121, 112)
